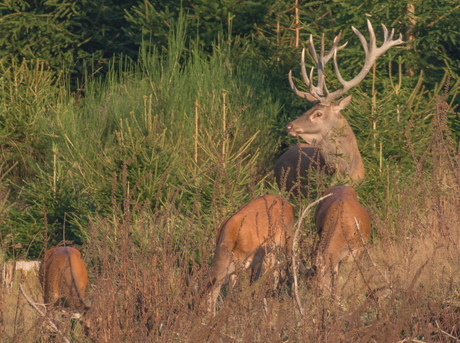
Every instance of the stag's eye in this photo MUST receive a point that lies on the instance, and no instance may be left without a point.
(319, 114)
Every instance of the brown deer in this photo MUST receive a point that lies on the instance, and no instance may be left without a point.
(344, 227)
(323, 127)
(64, 277)
(248, 240)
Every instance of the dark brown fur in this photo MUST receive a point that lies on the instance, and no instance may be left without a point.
(292, 169)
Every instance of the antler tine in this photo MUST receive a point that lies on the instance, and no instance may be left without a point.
(339, 76)
(320, 90)
(320, 66)
(372, 41)
(311, 48)
(312, 96)
(322, 47)
(326, 58)
(311, 73)
(389, 37)
(303, 69)
(333, 47)
(372, 53)
(363, 40)
(294, 88)
(385, 33)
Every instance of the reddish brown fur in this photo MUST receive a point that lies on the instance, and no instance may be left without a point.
(248, 240)
(64, 277)
(344, 227)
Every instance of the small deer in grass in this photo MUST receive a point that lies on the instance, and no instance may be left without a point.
(64, 277)
(344, 227)
(249, 239)
(331, 141)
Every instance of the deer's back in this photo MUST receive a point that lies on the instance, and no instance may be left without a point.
(63, 274)
(296, 164)
(265, 219)
(338, 217)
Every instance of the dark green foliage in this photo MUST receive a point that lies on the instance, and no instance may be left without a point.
(47, 212)
(183, 128)
(39, 30)
(149, 22)
(63, 33)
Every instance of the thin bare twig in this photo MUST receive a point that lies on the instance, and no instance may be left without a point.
(446, 333)
(411, 340)
(34, 305)
(294, 246)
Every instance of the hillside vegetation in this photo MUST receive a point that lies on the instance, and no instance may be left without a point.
(139, 167)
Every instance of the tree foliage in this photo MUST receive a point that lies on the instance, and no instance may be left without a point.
(65, 32)
(171, 68)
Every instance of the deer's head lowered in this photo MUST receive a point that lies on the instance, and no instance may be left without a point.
(323, 126)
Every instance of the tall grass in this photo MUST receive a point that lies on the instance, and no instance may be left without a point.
(406, 287)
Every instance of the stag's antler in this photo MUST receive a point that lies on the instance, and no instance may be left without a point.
(320, 92)
(320, 63)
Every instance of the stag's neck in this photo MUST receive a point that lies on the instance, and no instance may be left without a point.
(340, 151)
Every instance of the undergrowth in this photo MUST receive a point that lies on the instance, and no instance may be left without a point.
(144, 272)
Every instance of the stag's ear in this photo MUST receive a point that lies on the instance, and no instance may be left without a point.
(342, 103)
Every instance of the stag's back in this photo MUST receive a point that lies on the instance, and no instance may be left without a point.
(293, 168)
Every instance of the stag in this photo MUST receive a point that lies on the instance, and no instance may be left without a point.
(323, 127)
(344, 227)
(248, 239)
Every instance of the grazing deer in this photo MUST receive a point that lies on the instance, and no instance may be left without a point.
(323, 127)
(64, 277)
(248, 240)
(344, 227)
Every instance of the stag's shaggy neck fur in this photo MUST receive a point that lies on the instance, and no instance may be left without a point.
(340, 151)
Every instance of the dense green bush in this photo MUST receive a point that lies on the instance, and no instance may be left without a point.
(66, 33)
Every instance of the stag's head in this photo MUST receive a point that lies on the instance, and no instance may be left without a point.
(319, 122)
(316, 123)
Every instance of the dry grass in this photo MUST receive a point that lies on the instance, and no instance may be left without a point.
(19, 320)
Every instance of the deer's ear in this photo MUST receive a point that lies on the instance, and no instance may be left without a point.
(342, 103)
